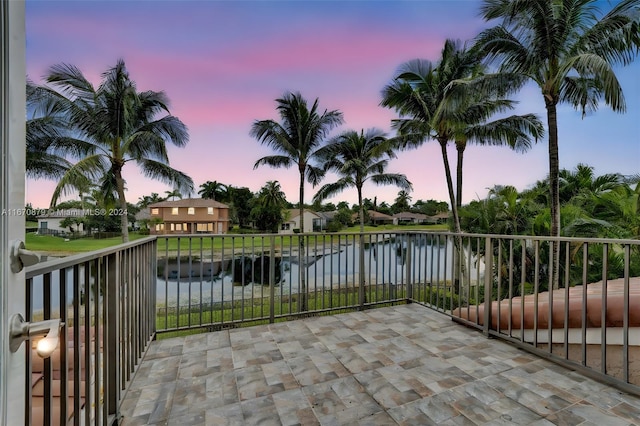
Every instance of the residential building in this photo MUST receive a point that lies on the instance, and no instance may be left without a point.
(312, 221)
(409, 218)
(375, 218)
(50, 222)
(189, 216)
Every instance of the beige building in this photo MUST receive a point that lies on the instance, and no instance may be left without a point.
(189, 216)
(312, 221)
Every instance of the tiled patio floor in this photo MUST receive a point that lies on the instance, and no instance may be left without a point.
(400, 365)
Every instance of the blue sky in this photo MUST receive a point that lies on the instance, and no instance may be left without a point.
(224, 63)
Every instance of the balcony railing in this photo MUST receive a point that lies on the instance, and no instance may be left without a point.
(106, 300)
(113, 302)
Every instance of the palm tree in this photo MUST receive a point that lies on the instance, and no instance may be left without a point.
(268, 206)
(213, 190)
(271, 195)
(296, 139)
(569, 50)
(146, 200)
(112, 125)
(442, 101)
(173, 194)
(401, 203)
(357, 158)
(43, 129)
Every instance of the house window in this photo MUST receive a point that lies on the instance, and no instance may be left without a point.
(155, 211)
(159, 226)
(201, 227)
(210, 227)
(174, 211)
(209, 210)
(191, 210)
(286, 226)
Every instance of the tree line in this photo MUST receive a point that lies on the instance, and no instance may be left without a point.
(568, 49)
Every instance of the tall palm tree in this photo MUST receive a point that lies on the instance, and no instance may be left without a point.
(296, 139)
(212, 190)
(112, 125)
(568, 48)
(441, 101)
(357, 158)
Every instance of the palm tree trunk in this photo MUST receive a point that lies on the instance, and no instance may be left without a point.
(302, 255)
(124, 223)
(456, 220)
(460, 146)
(554, 187)
(362, 294)
(452, 197)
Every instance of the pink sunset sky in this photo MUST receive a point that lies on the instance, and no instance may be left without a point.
(224, 63)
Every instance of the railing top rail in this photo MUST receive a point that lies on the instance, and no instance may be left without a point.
(69, 261)
(414, 231)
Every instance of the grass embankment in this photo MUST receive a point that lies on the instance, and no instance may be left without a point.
(58, 246)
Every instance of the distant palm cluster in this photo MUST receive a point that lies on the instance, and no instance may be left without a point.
(83, 136)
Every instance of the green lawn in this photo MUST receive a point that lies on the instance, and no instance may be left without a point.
(51, 244)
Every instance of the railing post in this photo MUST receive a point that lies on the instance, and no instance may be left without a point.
(111, 327)
(409, 267)
(488, 281)
(361, 280)
(272, 278)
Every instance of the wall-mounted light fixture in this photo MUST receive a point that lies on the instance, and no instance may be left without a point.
(20, 331)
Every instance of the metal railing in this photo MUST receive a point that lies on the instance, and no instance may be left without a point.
(585, 316)
(215, 281)
(114, 301)
(106, 300)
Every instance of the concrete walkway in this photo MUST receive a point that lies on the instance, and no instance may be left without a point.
(403, 365)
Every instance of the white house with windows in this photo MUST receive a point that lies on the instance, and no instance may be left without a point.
(291, 221)
(51, 222)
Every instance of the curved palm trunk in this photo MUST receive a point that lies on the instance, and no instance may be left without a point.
(456, 220)
(301, 250)
(124, 222)
(554, 187)
(452, 197)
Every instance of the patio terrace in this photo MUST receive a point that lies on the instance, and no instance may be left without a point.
(405, 364)
(398, 363)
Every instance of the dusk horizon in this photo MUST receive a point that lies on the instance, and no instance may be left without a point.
(223, 64)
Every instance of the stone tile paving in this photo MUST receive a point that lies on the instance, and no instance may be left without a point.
(405, 365)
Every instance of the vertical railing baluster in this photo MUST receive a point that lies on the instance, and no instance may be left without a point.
(603, 309)
(585, 264)
(625, 314)
(488, 281)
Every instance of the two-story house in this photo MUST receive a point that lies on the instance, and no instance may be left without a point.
(189, 216)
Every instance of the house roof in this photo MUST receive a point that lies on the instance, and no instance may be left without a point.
(190, 202)
(410, 215)
(143, 214)
(293, 213)
(327, 215)
(443, 215)
(377, 215)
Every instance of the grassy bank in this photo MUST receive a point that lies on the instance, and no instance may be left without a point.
(58, 246)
